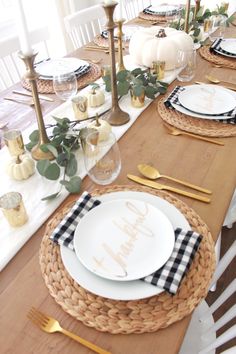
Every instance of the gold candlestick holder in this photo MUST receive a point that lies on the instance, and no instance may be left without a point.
(31, 75)
(197, 7)
(117, 116)
(187, 12)
(120, 33)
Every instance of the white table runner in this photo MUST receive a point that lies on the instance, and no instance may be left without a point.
(37, 187)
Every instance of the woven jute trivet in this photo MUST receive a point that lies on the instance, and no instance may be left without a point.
(217, 59)
(46, 86)
(198, 126)
(153, 18)
(139, 316)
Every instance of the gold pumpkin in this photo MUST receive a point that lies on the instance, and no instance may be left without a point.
(21, 167)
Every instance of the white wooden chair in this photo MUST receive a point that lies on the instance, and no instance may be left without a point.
(133, 7)
(201, 337)
(82, 26)
(11, 66)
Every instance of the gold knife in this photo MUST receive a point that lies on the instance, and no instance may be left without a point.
(159, 186)
(42, 97)
(229, 87)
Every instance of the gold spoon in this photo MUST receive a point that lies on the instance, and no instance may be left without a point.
(214, 80)
(28, 103)
(152, 173)
(174, 131)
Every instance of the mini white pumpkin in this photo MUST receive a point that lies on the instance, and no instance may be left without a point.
(21, 167)
(95, 97)
(145, 45)
(102, 127)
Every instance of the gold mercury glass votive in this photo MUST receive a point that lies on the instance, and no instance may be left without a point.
(106, 70)
(80, 107)
(158, 68)
(225, 6)
(207, 25)
(14, 141)
(13, 209)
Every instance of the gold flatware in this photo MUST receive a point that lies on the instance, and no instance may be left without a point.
(3, 125)
(92, 60)
(159, 186)
(174, 131)
(152, 173)
(28, 103)
(50, 325)
(215, 80)
(223, 85)
(42, 97)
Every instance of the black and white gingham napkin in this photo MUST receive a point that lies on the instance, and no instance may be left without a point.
(64, 232)
(168, 277)
(216, 48)
(148, 10)
(173, 98)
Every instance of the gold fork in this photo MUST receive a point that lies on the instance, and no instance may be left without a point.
(50, 325)
(174, 131)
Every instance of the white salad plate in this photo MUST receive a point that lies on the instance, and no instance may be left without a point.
(229, 45)
(48, 68)
(207, 99)
(124, 239)
(125, 290)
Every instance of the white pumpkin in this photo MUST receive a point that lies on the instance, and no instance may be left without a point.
(21, 168)
(95, 97)
(102, 127)
(145, 47)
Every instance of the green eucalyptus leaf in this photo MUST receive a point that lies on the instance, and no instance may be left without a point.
(150, 92)
(71, 167)
(161, 89)
(52, 172)
(52, 149)
(42, 165)
(138, 90)
(136, 71)
(122, 75)
(30, 145)
(34, 136)
(62, 159)
(108, 85)
(73, 185)
(61, 121)
(122, 88)
(51, 196)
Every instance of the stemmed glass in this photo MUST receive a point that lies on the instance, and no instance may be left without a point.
(65, 85)
(101, 158)
(217, 28)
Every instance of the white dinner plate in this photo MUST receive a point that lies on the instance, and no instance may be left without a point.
(124, 239)
(49, 68)
(129, 290)
(229, 45)
(207, 99)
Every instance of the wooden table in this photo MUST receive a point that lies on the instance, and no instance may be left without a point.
(21, 283)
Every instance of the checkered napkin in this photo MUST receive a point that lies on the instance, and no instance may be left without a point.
(227, 118)
(64, 232)
(148, 10)
(168, 277)
(216, 48)
(171, 274)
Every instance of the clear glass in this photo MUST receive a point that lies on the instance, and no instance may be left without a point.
(102, 158)
(186, 65)
(218, 26)
(65, 85)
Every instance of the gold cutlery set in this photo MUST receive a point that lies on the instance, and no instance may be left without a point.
(27, 102)
(50, 325)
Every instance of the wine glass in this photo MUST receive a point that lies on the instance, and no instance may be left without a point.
(65, 85)
(102, 158)
(218, 26)
(186, 64)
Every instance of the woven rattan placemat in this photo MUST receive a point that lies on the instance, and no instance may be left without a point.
(217, 59)
(199, 126)
(46, 86)
(146, 315)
